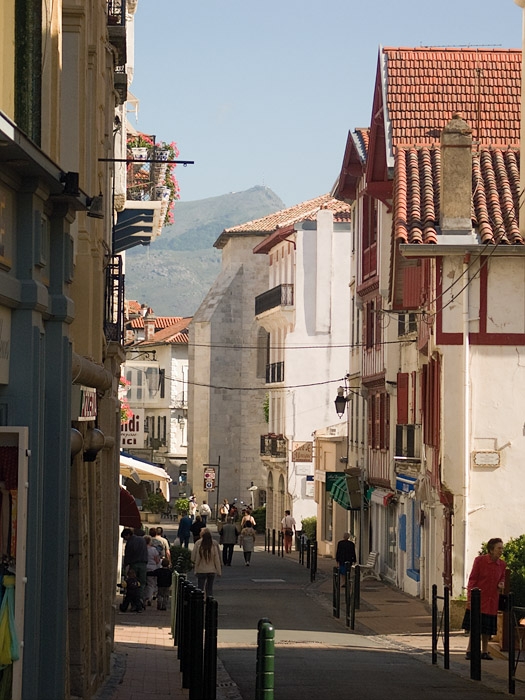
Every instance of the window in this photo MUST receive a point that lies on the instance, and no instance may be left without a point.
(406, 443)
(406, 323)
(369, 235)
(379, 421)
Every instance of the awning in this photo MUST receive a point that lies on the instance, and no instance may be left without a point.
(339, 491)
(129, 513)
(144, 470)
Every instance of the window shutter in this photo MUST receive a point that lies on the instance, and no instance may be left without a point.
(412, 284)
(402, 398)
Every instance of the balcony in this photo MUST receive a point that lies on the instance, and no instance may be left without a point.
(275, 372)
(275, 307)
(273, 446)
(117, 29)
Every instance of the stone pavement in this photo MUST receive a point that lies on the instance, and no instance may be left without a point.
(145, 663)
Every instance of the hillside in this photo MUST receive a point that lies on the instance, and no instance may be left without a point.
(175, 272)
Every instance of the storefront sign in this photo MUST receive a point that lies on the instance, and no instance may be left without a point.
(132, 432)
(302, 451)
(83, 403)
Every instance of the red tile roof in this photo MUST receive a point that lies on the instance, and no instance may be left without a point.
(288, 217)
(160, 321)
(495, 186)
(425, 86)
(176, 333)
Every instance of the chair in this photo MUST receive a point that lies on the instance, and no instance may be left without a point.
(369, 569)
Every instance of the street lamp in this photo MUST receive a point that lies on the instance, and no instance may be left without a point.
(340, 402)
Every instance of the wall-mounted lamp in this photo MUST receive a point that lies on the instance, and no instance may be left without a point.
(94, 442)
(96, 206)
(340, 402)
(180, 419)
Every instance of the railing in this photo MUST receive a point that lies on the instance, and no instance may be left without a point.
(273, 445)
(114, 301)
(275, 372)
(282, 295)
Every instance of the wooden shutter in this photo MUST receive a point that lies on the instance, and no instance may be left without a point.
(402, 398)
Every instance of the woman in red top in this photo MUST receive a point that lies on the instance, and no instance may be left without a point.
(488, 574)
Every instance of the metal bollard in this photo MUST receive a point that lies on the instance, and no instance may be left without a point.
(273, 541)
(264, 682)
(210, 650)
(184, 646)
(475, 634)
(176, 604)
(357, 587)
(511, 645)
(336, 593)
(313, 562)
(434, 623)
(196, 643)
(446, 628)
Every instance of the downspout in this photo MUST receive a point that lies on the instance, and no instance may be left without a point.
(466, 415)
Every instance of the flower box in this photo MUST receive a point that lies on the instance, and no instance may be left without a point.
(139, 153)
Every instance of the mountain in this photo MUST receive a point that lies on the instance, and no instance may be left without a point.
(175, 272)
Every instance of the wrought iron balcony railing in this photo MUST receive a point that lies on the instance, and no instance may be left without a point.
(273, 446)
(116, 13)
(114, 301)
(275, 372)
(282, 295)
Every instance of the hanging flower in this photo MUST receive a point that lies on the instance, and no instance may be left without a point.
(125, 411)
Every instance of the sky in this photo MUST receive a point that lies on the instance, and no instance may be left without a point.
(264, 93)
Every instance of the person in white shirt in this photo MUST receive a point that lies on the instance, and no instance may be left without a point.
(288, 530)
(205, 512)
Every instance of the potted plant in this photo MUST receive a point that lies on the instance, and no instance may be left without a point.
(182, 505)
(156, 504)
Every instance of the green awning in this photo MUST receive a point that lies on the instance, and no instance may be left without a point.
(340, 493)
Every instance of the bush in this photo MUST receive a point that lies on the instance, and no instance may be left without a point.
(309, 527)
(181, 559)
(155, 503)
(182, 505)
(259, 515)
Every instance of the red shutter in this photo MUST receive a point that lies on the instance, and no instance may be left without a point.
(402, 398)
(412, 287)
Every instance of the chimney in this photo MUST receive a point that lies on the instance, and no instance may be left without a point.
(456, 178)
(149, 325)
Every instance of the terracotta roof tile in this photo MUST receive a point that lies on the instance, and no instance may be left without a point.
(425, 86)
(160, 321)
(289, 217)
(495, 187)
(174, 334)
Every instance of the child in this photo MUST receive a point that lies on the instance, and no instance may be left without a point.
(132, 588)
(164, 584)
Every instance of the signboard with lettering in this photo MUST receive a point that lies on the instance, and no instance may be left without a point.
(302, 451)
(83, 403)
(132, 432)
(209, 478)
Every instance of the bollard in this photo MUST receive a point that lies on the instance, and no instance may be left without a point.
(273, 541)
(313, 567)
(348, 593)
(210, 650)
(336, 593)
(434, 623)
(196, 647)
(177, 605)
(511, 631)
(264, 682)
(475, 634)
(184, 646)
(446, 628)
(357, 587)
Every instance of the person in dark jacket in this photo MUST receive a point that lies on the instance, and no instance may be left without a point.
(163, 575)
(136, 556)
(196, 527)
(345, 553)
(184, 531)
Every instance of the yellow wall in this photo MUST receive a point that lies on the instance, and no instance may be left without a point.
(7, 57)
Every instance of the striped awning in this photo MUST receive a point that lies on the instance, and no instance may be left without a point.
(341, 495)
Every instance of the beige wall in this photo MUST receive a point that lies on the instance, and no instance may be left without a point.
(7, 57)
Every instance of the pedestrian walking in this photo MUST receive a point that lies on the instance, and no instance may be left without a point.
(205, 512)
(196, 528)
(136, 556)
(193, 507)
(225, 509)
(160, 536)
(228, 538)
(153, 564)
(206, 560)
(132, 595)
(163, 576)
(345, 553)
(488, 574)
(247, 541)
(288, 529)
(184, 531)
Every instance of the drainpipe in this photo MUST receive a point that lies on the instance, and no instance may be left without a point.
(466, 415)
